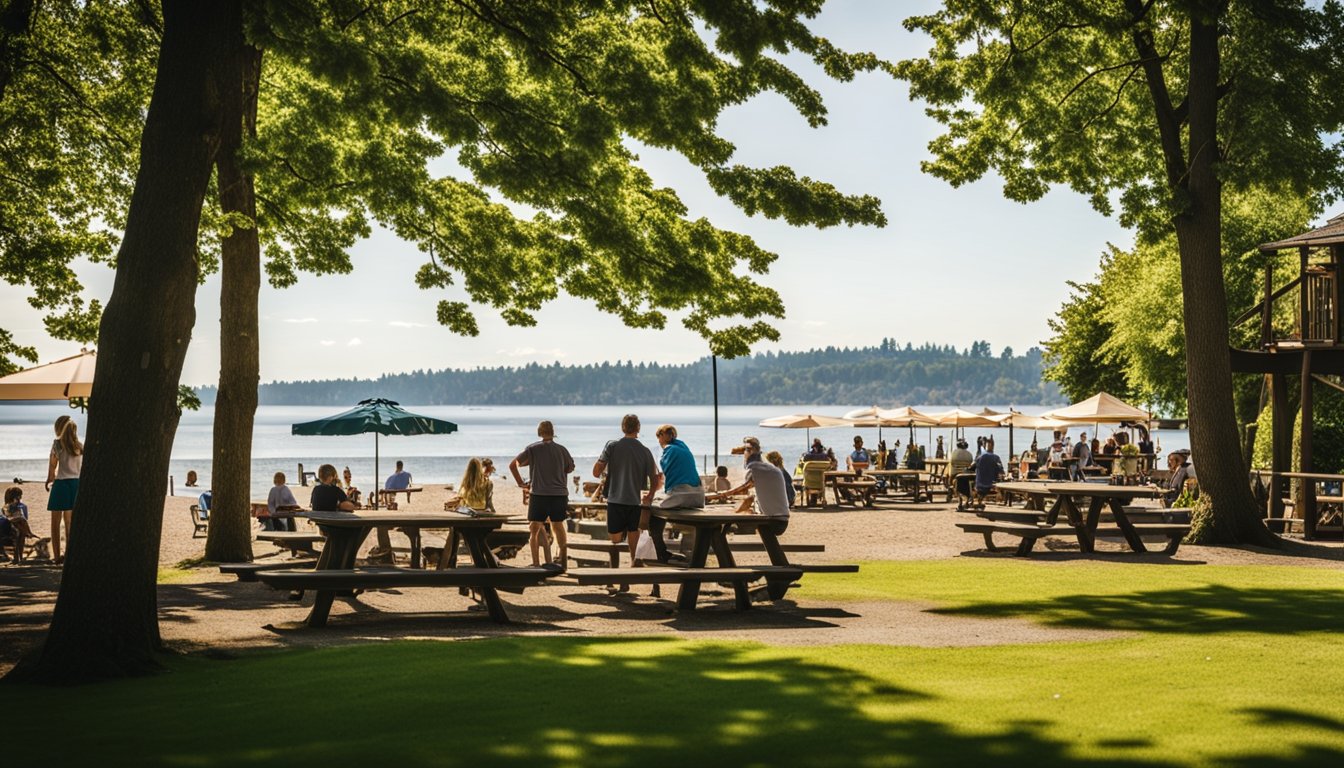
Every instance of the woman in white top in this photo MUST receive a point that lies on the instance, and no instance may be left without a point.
(67, 458)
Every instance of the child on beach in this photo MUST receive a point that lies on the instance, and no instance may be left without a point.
(16, 520)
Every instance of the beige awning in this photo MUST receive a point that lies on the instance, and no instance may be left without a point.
(1101, 408)
(805, 421)
(959, 418)
(61, 380)
(1024, 421)
(904, 416)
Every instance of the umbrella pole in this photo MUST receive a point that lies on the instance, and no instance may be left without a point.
(375, 470)
(1010, 442)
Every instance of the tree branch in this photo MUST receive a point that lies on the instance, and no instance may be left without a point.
(484, 12)
(1169, 128)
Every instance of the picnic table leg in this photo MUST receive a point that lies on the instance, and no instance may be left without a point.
(1126, 527)
(414, 535)
(724, 554)
(1087, 535)
(690, 590)
(338, 554)
(480, 557)
(776, 588)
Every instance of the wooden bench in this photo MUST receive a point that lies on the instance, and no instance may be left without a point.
(386, 577)
(735, 575)
(613, 550)
(1135, 515)
(1029, 534)
(294, 541)
(248, 571)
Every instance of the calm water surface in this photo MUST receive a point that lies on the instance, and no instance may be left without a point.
(499, 432)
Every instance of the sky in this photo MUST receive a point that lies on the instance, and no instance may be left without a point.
(951, 267)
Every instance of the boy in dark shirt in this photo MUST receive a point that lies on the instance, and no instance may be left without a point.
(327, 494)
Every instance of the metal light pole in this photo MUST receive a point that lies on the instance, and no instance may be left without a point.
(714, 367)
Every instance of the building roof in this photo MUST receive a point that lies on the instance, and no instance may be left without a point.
(1330, 234)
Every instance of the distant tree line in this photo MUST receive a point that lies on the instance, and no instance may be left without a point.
(886, 374)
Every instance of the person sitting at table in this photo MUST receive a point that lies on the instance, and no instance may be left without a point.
(776, 458)
(893, 459)
(769, 482)
(958, 464)
(988, 471)
(399, 480)
(327, 495)
(830, 456)
(191, 479)
(476, 490)
(1179, 470)
(938, 452)
(817, 452)
(859, 458)
(914, 458)
(681, 485)
(351, 491)
(721, 481)
(280, 499)
(1111, 447)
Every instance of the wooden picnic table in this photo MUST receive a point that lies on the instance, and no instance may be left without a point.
(711, 530)
(345, 533)
(903, 479)
(388, 496)
(1083, 525)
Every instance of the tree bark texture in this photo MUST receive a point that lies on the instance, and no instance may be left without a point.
(106, 618)
(230, 537)
(1213, 423)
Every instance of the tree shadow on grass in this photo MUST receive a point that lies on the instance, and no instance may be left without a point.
(1205, 610)
(604, 703)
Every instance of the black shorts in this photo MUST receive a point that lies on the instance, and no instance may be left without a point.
(623, 518)
(543, 508)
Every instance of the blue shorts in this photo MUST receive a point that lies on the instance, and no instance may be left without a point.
(63, 493)
(543, 508)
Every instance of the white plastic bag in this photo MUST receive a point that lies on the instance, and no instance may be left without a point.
(644, 549)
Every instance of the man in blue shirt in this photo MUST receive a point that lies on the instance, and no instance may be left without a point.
(681, 481)
(399, 480)
(859, 457)
(988, 469)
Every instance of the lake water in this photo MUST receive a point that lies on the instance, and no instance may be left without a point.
(499, 432)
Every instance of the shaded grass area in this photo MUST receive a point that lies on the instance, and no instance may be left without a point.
(1262, 690)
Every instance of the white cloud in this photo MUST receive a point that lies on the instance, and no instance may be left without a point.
(300, 319)
(355, 342)
(328, 342)
(404, 324)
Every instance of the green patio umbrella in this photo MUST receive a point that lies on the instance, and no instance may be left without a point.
(381, 417)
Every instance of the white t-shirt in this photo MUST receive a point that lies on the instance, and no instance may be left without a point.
(67, 464)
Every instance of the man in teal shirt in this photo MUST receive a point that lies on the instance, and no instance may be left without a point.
(681, 481)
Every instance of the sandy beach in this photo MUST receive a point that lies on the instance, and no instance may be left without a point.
(200, 608)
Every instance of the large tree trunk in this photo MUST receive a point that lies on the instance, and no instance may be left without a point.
(106, 619)
(1213, 423)
(230, 538)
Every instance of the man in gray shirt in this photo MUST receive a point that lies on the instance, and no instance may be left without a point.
(772, 498)
(550, 465)
(632, 478)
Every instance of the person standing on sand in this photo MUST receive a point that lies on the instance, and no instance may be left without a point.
(67, 458)
(632, 479)
(549, 466)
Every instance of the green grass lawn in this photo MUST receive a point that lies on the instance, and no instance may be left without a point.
(1228, 666)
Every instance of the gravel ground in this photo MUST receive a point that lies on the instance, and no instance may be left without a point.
(201, 609)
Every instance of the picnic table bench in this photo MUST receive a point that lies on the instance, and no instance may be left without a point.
(1084, 527)
(328, 581)
(248, 571)
(294, 541)
(388, 496)
(778, 578)
(613, 550)
(903, 483)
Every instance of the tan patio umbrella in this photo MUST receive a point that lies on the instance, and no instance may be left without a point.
(957, 418)
(1014, 419)
(806, 421)
(64, 379)
(1101, 408)
(905, 416)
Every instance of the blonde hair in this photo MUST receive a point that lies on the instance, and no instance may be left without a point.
(474, 482)
(67, 432)
(667, 430)
(774, 457)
